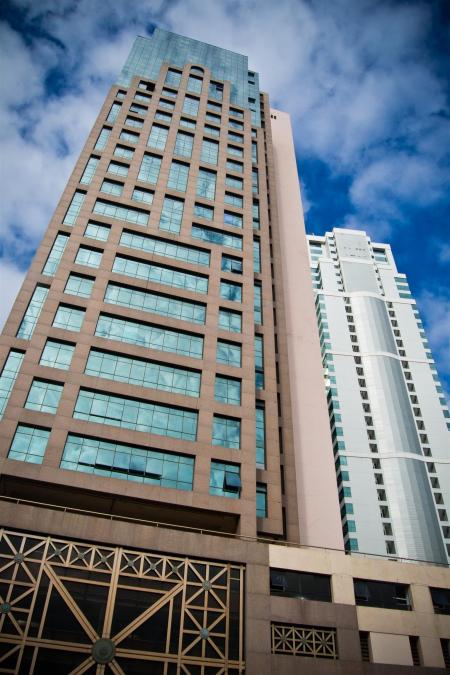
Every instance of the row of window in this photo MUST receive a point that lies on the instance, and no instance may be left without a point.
(170, 220)
(190, 106)
(130, 462)
(389, 595)
(139, 415)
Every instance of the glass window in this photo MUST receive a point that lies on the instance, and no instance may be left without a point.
(160, 274)
(55, 255)
(173, 78)
(97, 231)
(138, 109)
(234, 200)
(206, 184)
(210, 117)
(234, 124)
(143, 373)
(90, 257)
(257, 303)
(168, 105)
(216, 90)
(304, 585)
(89, 170)
(216, 237)
(194, 84)
(231, 264)
(128, 462)
(102, 139)
(225, 480)
(150, 167)
(209, 151)
(158, 137)
(118, 169)
(188, 124)
(178, 176)
(69, 318)
(152, 337)
(141, 195)
(226, 432)
(203, 211)
(385, 594)
(237, 138)
(259, 362)
(121, 212)
(229, 320)
(44, 396)
(234, 166)
(255, 181)
(254, 152)
(8, 377)
(260, 435)
(256, 255)
(441, 600)
(134, 122)
(214, 106)
(163, 116)
(229, 290)
(114, 112)
(228, 353)
(144, 98)
(169, 92)
(261, 500)
(29, 444)
(255, 214)
(74, 208)
(234, 182)
(212, 131)
(122, 151)
(57, 354)
(111, 187)
(232, 219)
(149, 301)
(227, 390)
(79, 285)
(235, 151)
(130, 413)
(129, 136)
(190, 106)
(171, 215)
(183, 144)
(33, 312)
(168, 249)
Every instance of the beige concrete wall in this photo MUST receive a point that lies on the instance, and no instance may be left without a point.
(319, 517)
(420, 621)
(387, 648)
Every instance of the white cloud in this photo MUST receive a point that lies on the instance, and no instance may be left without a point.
(435, 308)
(12, 279)
(355, 76)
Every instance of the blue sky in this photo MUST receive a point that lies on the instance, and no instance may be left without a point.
(365, 81)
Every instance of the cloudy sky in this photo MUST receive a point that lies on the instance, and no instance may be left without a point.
(365, 81)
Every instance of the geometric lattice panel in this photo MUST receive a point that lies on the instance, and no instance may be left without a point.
(73, 607)
(304, 641)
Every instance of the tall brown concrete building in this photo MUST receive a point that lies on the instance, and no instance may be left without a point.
(167, 478)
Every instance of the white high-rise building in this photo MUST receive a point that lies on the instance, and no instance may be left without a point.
(388, 415)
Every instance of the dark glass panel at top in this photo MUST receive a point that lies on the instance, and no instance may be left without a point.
(304, 585)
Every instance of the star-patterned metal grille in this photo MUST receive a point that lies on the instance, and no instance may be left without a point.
(73, 607)
(304, 641)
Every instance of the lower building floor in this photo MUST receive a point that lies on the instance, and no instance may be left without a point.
(84, 592)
